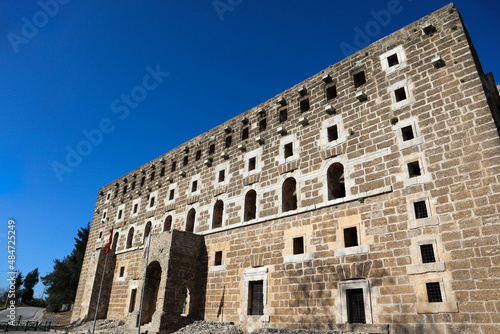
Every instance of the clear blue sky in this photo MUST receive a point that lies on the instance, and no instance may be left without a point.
(62, 77)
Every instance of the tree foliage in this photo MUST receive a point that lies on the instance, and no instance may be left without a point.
(30, 281)
(62, 282)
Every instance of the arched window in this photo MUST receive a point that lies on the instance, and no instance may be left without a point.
(147, 230)
(190, 220)
(167, 226)
(289, 194)
(115, 241)
(218, 213)
(130, 237)
(336, 185)
(250, 206)
(186, 305)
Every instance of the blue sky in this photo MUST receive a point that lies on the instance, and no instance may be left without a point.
(65, 74)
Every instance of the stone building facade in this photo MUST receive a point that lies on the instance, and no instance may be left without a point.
(365, 197)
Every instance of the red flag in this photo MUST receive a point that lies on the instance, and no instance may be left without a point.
(109, 242)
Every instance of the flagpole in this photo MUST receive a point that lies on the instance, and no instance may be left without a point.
(100, 288)
(144, 282)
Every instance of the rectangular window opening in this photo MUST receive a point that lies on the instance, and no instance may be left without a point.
(298, 245)
(244, 133)
(333, 133)
(351, 237)
(304, 105)
(229, 139)
(283, 115)
(251, 163)
(133, 295)
(407, 133)
(136, 207)
(427, 252)
(355, 306)
(211, 149)
(185, 160)
(143, 180)
(100, 235)
(151, 202)
(262, 125)
(133, 185)
(359, 79)
(420, 210)
(162, 173)
(288, 150)
(152, 176)
(414, 169)
(256, 298)
(120, 214)
(222, 175)
(218, 258)
(331, 92)
(174, 165)
(122, 271)
(393, 60)
(198, 155)
(434, 292)
(194, 186)
(124, 189)
(108, 196)
(104, 215)
(171, 195)
(400, 94)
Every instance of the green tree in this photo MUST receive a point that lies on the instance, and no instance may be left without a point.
(62, 282)
(29, 283)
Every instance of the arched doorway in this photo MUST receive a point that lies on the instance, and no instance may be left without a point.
(151, 287)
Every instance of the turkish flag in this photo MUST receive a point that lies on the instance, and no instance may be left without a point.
(110, 241)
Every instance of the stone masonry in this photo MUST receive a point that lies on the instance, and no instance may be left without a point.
(364, 198)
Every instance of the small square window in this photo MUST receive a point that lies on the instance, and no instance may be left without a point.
(229, 139)
(262, 125)
(333, 133)
(122, 271)
(244, 133)
(185, 160)
(152, 177)
(304, 105)
(434, 292)
(351, 237)
(174, 165)
(251, 163)
(400, 94)
(171, 194)
(288, 150)
(198, 155)
(359, 79)
(222, 175)
(427, 252)
(218, 258)
(151, 202)
(414, 169)
(407, 133)
(136, 207)
(211, 149)
(298, 245)
(194, 186)
(120, 214)
(162, 173)
(420, 210)
(100, 235)
(331, 92)
(393, 60)
(283, 115)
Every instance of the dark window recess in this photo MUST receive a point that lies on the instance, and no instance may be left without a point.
(251, 163)
(298, 245)
(393, 60)
(333, 133)
(304, 105)
(331, 92)
(152, 176)
(133, 295)
(244, 133)
(351, 237)
(122, 271)
(335, 180)
(104, 215)
(171, 195)
(222, 175)
(283, 115)
(414, 169)
(434, 292)
(289, 195)
(218, 213)
(133, 185)
(262, 125)
(130, 238)
(120, 214)
(185, 160)
(218, 258)
(228, 141)
(256, 298)
(162, 172)
(151, 202)
(250, 205)
(400, 94)
(167, 226)
(198, 155)
(211, 149)
(407, 133)
(288, 150)
(420, 210)
(125, 189)
(355, 306)
(194, 186)
(108, 196)
(359, 79)
(427, 252)
(174, 165)
(143, 180)
(100, 235)
(190, 220)
(136, 206)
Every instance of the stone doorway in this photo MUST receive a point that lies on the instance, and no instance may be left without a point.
(152, 284)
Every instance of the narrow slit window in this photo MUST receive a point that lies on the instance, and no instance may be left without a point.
(198, 155)
(152, 177)
(171, 195)
(304, 105)
(298, 245)
(218, 258)
(288, 150)
(151, 202)
(133, 185)
(283, 115)
(407, 133)
(333, 133)
(434, 292)
(400, 94)
(393, 60)
(359, 79)
(104, 215)
(244, 133)
(262, 125)
(124, 189)
(331, 92)
(351, 237)
(143, 180)
(194, 186)
(229, 139)
(427, 252)
(108, 196)
(136, 207)
(133, 295)
(211, 149)
(122, 271)
(185, 160)
(256, 298)
(222, 175)
(174, 165)
(414, 169)
(420, 210)
(162, 172)
(251, 163)
(100, 235)
(120, 214)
